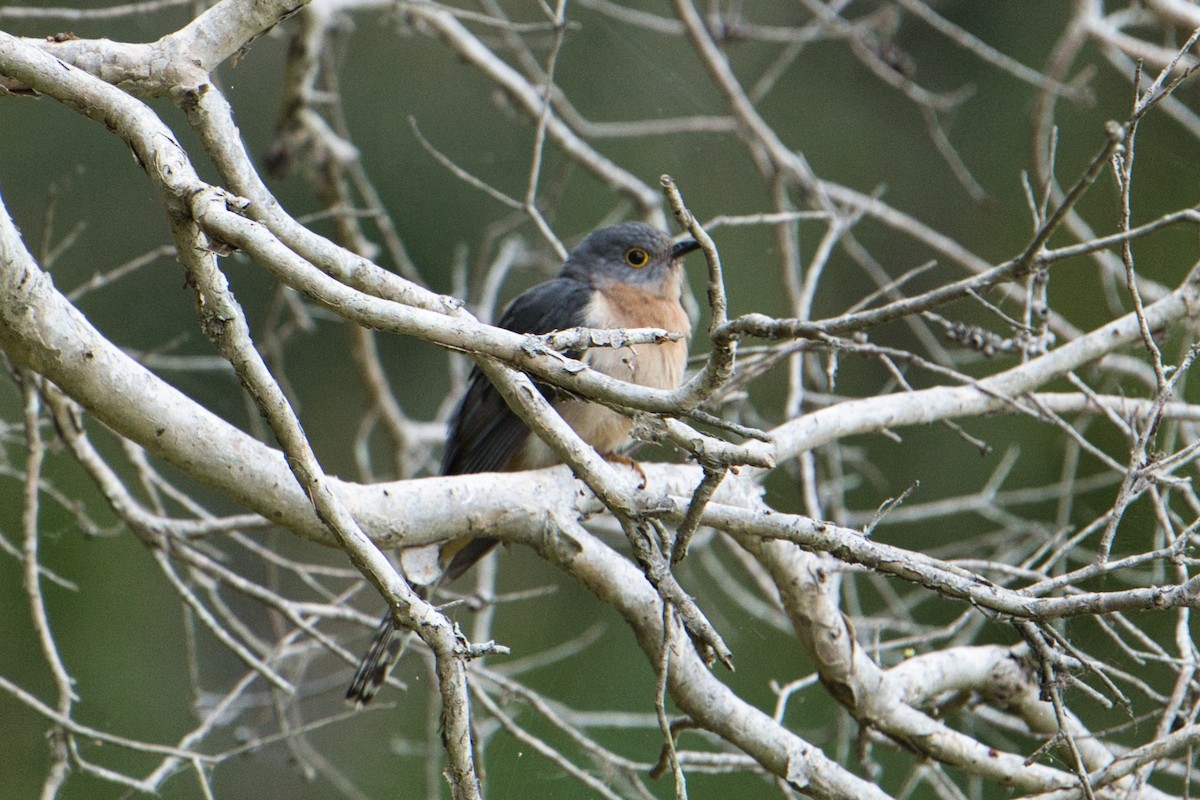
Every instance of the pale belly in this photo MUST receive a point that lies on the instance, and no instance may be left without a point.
(658, 366)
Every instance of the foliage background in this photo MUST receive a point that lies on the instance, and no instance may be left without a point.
(123, 630)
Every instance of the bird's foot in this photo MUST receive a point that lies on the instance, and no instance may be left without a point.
(616, 458)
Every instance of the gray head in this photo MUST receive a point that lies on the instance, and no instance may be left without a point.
(632, 252)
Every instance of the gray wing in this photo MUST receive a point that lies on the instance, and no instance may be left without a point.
(484, 433)
(484, 436)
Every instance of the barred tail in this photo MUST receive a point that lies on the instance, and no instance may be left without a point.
(377, 664)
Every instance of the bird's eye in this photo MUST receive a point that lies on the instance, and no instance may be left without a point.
(636, 257)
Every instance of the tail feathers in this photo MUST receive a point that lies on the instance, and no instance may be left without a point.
(464, 554)
(385, 650)
(389, 643)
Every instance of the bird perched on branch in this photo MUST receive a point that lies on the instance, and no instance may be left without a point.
(625, 276)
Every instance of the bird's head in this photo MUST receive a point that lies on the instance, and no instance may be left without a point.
(632, 253)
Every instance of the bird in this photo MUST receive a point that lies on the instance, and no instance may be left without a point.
(628, 275)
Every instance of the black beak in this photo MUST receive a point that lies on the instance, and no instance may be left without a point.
(684, 247)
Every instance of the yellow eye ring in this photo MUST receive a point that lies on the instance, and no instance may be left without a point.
(636, 257)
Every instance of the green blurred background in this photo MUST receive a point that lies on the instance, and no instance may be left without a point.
(121, 633)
